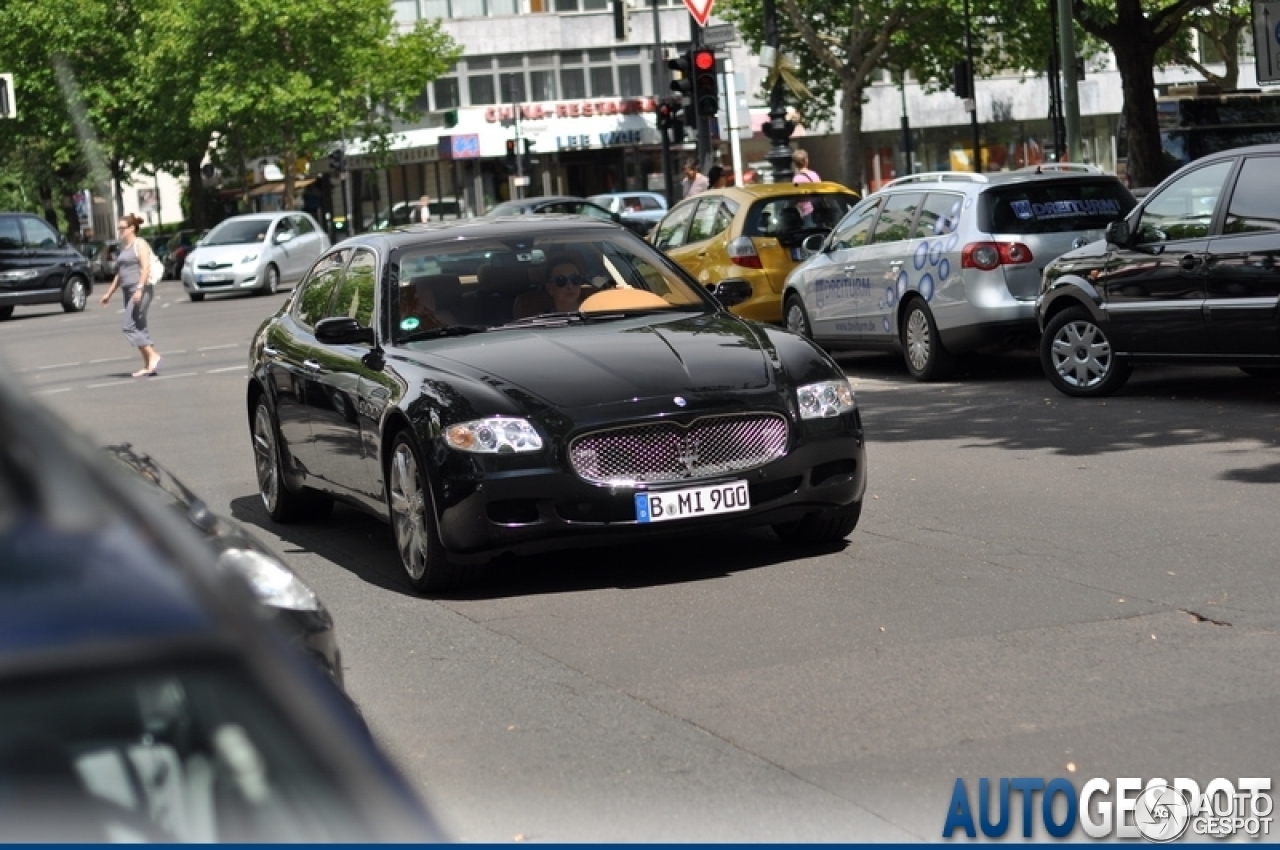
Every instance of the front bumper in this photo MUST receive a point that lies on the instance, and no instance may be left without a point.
(537, 510)
(234, 280)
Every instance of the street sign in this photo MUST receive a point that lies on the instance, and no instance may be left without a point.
(1266, 40)
(700, 9)
(719, 34)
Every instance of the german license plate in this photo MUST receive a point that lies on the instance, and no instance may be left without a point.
(724, 498)
(212, 278)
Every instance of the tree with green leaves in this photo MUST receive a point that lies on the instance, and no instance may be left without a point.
(1137, 31)
(1220, 26)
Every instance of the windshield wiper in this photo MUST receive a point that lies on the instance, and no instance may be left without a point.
(543, 320)
(437, 333)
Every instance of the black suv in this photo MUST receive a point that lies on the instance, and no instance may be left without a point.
(1192, 274)
(39, 266)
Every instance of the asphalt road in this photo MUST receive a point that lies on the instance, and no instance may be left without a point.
(1039, 587)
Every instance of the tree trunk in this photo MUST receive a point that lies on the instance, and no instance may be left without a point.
(851, 158)
(1146, 161)
(195, 192)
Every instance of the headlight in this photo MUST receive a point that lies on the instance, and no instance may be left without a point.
(829, 398)
(499, 435)
(273, 583)
(248, 258)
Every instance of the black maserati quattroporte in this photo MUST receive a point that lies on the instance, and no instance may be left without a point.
(524, 384)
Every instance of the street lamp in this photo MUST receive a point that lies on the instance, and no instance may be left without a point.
(778, 129)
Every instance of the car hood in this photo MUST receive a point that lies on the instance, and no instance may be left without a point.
(592, 364)
(223, 255)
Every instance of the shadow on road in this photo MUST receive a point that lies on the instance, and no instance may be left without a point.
(363, 545)
(1006, 402)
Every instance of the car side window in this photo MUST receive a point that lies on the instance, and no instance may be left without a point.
(898, 217)
(283, 226)
(671, 230)
(357, 290)
(10, 234)
(939, 215)
(592, 211)
(854, 230)
(713, 217)
(39, 234)
(316, 291)
(648, 203)
(1253, 202)
(1184, 208)
(303, 225)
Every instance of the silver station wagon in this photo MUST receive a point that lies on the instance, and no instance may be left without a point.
(940, 264)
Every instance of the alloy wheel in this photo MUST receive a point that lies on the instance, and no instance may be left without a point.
(408, 508)
(266, 457)
(919, 340)
(1082, 354)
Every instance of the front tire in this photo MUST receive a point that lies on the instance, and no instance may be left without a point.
(75, 294)
(823, 527)
(1077, 357)
(6, 311)
(283, 504)
(270, 281)
(926, 357)
(796, 317)
(413, 522)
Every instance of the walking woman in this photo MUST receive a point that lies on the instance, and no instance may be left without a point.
(133, 267)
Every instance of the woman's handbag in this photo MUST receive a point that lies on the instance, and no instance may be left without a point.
(156, 273)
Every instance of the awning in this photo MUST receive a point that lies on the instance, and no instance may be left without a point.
(276, 187)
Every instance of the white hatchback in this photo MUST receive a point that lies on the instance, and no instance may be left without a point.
(254, 253)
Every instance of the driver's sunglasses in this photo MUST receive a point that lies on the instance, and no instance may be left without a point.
(565, 280)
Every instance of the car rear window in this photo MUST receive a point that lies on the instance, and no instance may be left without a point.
(795, 213)
(1053, 207)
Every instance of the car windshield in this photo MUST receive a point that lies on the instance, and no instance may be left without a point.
(238, 232)
(185, 753)
(473, 285)
(508, 208)
(1051, 207)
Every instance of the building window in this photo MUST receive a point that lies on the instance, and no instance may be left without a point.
(630, 81)
(595, 5)
(602, 82)
(446, 93)
(482, 90)
(432, 9)
(512, 90)
(405, 11)
(503, 7)
(573, 84)
(566, 5)
(542, 85)
(468, 8)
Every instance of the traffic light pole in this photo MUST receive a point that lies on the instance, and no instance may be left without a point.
(660, 89)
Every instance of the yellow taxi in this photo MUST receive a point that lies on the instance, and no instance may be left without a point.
(745, 240)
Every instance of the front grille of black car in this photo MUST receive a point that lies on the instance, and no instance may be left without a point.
(668, 451)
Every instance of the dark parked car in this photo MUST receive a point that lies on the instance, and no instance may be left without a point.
(291, 604)
(650, 410)
(177, 248)
(143, 696)
(553, 204)
(39, 266)
(1191, 274)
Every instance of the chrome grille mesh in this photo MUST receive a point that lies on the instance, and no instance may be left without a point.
(668, 451)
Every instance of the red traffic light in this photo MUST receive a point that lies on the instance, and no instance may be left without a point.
(511, 147)
(704, 60)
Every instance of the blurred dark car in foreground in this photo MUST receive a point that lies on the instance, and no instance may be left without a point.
(294, 606)
(143, 695)
(39, 266)
(414, 375)
(1192, 274)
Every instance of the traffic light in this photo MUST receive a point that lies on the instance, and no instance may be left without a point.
(962, 77)
(338, 159)
(529, 160)
(511, 155)
(683, 85)
(705, 83)
(669, 123)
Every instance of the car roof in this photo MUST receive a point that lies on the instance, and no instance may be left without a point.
(756, 191)
(499, 227)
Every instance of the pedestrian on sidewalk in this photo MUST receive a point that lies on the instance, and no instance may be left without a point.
(133, 268)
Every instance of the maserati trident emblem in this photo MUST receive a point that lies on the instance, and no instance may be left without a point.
(688, 454)
(1079, 242)
(679, 400)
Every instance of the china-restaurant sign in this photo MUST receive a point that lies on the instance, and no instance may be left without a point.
(570, 109)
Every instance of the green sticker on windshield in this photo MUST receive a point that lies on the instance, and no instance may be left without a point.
(409, 324)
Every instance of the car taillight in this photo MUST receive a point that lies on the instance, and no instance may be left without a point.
(988, 255)
(742, 252)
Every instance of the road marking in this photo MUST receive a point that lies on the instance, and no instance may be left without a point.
(226, 369)
(52, 391)
(56, 366)
(108, 360)
(110, 384)
(219, 347)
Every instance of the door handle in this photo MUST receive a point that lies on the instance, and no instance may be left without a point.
(895, 264)
(270, 352)
(1189, 262)
(851, 267)
(312, 366)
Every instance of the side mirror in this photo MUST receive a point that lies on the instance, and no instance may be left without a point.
(813, 243)
(731, 292)
(284, 236)
(342, 330)
(1117, 233)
